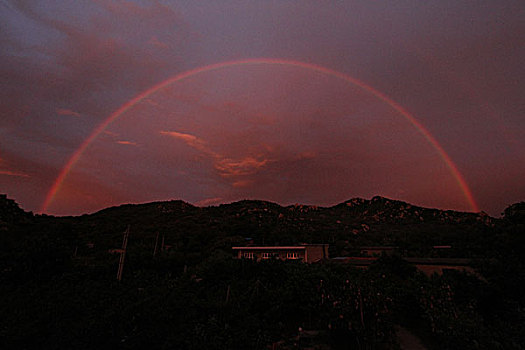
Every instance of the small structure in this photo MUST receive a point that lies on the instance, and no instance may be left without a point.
(356, 261)
(428, 266)
(442, 247)
(378, 251)
(308, 253)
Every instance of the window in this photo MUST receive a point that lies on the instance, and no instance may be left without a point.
(267, 255)
(292, 255)
(247, 255)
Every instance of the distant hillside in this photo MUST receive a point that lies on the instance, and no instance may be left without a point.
(11, 213)
(346, 226)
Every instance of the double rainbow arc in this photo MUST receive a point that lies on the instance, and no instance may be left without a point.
(260, 61)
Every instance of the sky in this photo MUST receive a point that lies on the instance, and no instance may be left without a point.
(314, 102)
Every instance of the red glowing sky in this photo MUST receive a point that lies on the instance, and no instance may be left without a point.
(431, 109)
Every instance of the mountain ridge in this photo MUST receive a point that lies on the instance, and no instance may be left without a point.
(355, 202)
(347, 225)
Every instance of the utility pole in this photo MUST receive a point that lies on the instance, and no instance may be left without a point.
(228, 294)
(122, 254)
(156, 244)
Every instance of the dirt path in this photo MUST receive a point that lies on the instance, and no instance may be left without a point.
(407, 340)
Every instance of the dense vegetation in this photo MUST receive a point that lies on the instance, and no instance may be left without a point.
(181, 289)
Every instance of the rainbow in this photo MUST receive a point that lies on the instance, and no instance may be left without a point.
(260, 61)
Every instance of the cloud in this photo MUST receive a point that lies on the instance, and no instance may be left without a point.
(208, 201)
(226, 167)
(13, 173)
(247, 166)
(37, 177)
(307, 155)
(154, 41)
(123, 142)
(242, 183)
(63, 111)
(85, 56)
(94, 50)
(83, 59)
(8, 172)
(190, 140)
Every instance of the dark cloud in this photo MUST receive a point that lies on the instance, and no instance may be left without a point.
(279, 134)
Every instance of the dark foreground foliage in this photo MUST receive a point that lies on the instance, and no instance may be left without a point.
(58, 288)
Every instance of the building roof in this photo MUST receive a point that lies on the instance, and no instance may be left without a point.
(378, 248)
(270, 248)
(355, 260)
(439, 261)
(358, 260)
